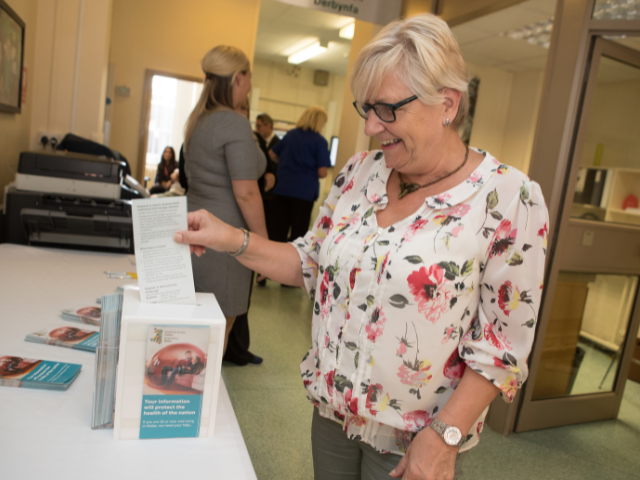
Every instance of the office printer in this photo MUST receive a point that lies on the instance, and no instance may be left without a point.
(69, 200)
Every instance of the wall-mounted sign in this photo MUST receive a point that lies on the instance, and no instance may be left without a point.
(123, 91)
(374, 11)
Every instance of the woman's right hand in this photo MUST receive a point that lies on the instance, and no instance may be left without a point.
(206, 231)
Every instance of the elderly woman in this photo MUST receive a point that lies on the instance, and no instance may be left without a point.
(425, 265)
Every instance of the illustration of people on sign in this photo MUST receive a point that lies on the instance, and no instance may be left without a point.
(175, 368)
(189, 365)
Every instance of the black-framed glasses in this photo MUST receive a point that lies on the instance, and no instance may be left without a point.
(385, 111)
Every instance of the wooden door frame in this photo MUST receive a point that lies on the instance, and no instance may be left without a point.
(554, 141)
(537, 414)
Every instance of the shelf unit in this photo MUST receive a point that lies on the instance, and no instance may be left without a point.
(619, 184)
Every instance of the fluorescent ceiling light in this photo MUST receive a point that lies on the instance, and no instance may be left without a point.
(535, 34)
(617, 10)
(347, 31)
(540, 33)
(307, 53)
(299, 45)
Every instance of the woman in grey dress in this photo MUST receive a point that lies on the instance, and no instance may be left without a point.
(223, 163)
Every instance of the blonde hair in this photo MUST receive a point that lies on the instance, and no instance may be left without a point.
(313, 118)
(424, 54)
(221, 64)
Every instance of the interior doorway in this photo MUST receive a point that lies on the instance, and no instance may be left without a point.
(168, 99)
(284, 90)
(582, 355)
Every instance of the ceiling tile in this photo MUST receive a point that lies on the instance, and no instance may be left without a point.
(481, 60)
(507, 19)
(535, 63)
(547, 7)
(505, 49)
(466, 34)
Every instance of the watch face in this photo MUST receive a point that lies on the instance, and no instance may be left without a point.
(452, 436)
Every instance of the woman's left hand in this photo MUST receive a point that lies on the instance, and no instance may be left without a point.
(427, 458)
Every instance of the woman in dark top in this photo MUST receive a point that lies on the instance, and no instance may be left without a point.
(302, 157)
(166, 167)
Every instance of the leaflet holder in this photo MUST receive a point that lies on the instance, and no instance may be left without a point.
(169, 367)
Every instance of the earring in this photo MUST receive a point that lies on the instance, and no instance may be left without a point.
(447, 123)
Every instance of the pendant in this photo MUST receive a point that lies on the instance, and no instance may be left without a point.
(407, 188)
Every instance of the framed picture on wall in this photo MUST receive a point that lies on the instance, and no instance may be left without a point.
(11, 59)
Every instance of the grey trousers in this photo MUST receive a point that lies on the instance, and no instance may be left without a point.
(335, 457)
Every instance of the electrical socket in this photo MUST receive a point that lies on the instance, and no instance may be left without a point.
(37, 141)
(57, 136)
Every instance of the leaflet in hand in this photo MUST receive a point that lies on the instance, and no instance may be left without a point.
(30, 373)
(88, 315)
(164, 266)
(70, 337)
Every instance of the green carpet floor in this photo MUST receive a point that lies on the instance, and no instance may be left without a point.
(275, 416)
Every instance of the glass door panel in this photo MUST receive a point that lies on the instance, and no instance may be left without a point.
(587, 327)
(608, 184)
(591, 311)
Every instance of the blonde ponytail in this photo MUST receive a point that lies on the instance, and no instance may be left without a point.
(221, 64)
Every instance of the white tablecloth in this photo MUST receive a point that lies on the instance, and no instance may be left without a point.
(47, 434)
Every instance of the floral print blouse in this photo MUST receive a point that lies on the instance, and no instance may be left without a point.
(400, 312)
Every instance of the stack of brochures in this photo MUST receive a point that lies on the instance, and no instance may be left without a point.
(104, 392)
(69, 337)
(119, 289)
(30, 373)
(88, 315)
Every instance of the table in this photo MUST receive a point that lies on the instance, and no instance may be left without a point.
(47, 434)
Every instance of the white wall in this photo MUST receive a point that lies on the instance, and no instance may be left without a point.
(506, 113)
(491, 108)
(614, 121)
(169, 36)
(522, 115)
(72, 46)
(284, 95)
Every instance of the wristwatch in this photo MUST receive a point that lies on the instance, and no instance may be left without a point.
(451, 435)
